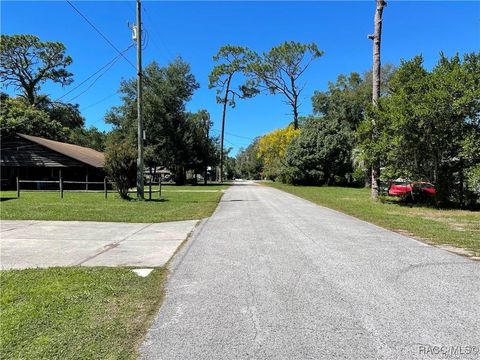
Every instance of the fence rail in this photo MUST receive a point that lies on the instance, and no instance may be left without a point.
(61, 182)
(61, 189)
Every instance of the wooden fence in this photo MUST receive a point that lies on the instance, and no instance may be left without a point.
(105, 184)
(61, 184)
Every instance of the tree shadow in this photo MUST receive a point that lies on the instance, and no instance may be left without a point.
(427, 204)
(157, 200)
(7, 198)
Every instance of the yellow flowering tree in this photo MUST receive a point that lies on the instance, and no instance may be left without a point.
(272, 148)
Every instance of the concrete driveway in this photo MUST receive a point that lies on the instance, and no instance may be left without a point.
(272, 276)
(29, 244)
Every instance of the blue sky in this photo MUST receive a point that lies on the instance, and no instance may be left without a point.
(196, 30)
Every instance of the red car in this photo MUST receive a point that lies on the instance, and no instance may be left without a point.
(405, 188)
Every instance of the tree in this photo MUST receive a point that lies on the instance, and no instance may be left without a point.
(247, 164)
(91, 137)
(167, 125)
(346, 101)
(202, 148)
(470, 154)
(18, 116)
(121, 166)
(427, 126)
(321, 154)
(347, 98)
(230, 165)
(66, 114)
(272, 148)
(278, 71)
(233, 61)
(377, 39)
(26, 63)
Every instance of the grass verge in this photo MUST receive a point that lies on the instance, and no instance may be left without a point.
(457, 228)
(76, 313)
(175, 205)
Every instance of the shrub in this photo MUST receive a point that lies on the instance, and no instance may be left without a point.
(121, 167)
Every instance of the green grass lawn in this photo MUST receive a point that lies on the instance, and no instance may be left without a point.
(448, 227)
(87, 313)
(174, 206)
(76, 313)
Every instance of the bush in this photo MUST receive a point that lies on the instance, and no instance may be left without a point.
(121, 167)
(321, 154)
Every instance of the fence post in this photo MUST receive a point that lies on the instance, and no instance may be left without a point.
(150, 189)
(160, 187)
(105, 186)
(18, 187)
(61, 186)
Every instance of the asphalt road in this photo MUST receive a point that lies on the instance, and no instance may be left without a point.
(272, 276)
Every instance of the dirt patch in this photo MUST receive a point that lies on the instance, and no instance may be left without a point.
(459, 251)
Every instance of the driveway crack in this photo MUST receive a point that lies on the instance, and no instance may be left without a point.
(111, 246)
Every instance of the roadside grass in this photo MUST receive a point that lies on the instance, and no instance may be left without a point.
(76, 313)
(458, 228)
(88, 313)
(174, 205)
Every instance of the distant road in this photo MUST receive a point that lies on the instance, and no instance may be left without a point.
(273, 276)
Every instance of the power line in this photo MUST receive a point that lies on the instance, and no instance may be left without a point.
(159, 37)
(235, 135)
(100, 33)
(98, 102)
(111, 62)
(95, 80)
(239, 136)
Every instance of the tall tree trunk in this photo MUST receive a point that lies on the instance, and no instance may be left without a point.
(225, 100)
(294, 104)
(30, 94)
(295, 115)
(377, 38)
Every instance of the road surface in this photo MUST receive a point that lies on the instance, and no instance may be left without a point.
(272, 276)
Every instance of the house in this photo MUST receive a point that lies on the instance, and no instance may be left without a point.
(34, 158)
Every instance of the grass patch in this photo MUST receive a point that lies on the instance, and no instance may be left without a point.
(459, 228)
(76, 313)
(93, 207)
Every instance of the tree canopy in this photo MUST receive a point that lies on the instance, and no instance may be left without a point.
(279, 70)
(174, 138)
(272, 148)
(248, 164)
(26, 63)
(321, 154)
(426, 122)
(231, 61)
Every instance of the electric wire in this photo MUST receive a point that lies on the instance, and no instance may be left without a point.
(100, 33)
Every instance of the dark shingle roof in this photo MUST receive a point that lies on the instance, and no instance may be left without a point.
(83, 154)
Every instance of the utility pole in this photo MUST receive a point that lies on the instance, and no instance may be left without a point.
(138, 35)
(207, 133)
